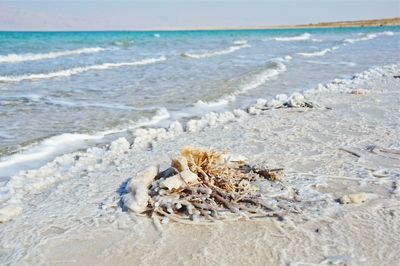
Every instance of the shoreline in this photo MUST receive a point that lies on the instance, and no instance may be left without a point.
(82, 211)
(386, 22)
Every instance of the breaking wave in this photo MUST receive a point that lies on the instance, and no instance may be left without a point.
(36, 155)
(320, 53)
(240, 42)
(302, 37)
(347, 41)
(16, 58)
(78, 70)
(229, 50)
(124, 43)
(369, 36)
(273, 69)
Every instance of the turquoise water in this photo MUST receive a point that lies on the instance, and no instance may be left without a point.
(103, 83)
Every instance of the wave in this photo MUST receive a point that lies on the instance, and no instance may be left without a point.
(36, 155)
(78, 70)
(320, 53)
(240, 42)
(16, 58)
(344, 63)
(273, 69)
(124, 43)
(369, 36)
(229, 50)
(302, 37)
(365, 37)
(78, 104)
(25, 99)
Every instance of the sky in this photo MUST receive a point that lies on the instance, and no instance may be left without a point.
(171, 14)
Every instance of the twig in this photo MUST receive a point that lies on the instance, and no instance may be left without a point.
(351, 152)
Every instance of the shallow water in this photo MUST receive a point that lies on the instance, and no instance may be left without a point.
(60, 92)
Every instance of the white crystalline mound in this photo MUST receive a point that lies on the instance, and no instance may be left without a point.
(347, 85)
(62, 167)
(295, 100)
(144, 137)
(137, 197)
(210, 119)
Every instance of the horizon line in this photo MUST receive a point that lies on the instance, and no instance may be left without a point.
(384, 22)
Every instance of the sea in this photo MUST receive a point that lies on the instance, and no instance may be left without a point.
(62, 92)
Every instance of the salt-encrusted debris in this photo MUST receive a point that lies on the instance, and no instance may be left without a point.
(137, 198)
(201, 186)
(359, 91)
(295, 100)
(354, 198)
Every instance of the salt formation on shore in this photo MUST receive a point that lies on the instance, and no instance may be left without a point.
(354, 198)
(352, 86)
(63, 167)
(295, 100)
(200, 187)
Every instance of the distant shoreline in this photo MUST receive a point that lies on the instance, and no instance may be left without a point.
(322, 25)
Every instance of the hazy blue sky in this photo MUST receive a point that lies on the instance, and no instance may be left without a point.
(163, 14)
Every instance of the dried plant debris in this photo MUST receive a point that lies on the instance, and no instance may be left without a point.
(201, 187)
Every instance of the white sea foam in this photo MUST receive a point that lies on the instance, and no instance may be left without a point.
(78, 70)
(370, 36)
(228, 50)
(240, 42)
(284, 59)
(16, 58)
(320, 53)
(302, 37)
(350, 64)
(124, 43)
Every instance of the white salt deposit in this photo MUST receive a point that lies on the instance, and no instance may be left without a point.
(63, 167)
(137, 197)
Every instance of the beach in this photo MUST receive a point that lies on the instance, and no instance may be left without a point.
(326, 153)
(82, 114)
